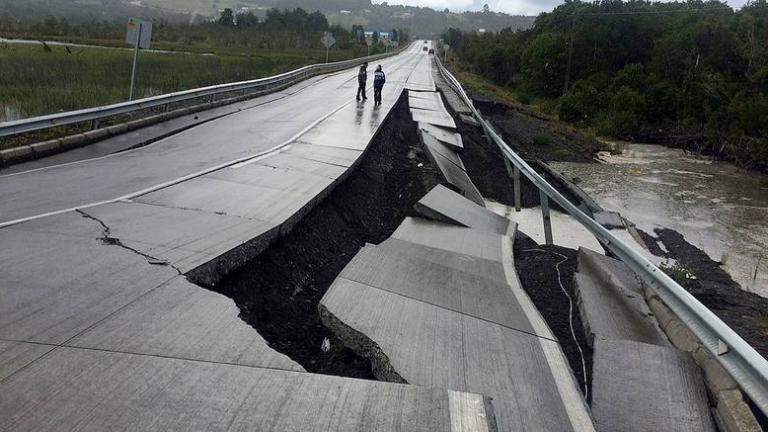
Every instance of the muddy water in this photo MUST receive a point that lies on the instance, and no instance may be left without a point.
(718, 207)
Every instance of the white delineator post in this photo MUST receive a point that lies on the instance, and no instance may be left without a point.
(138, 34)
(135, 61)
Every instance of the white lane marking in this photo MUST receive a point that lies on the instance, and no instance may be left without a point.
(180, 179)
(575, 405)
(467, 412)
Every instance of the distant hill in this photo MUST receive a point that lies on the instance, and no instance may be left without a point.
(421, 22)
(83, 10)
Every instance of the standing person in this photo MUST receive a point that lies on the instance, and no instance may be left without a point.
(378, 83)
(362, 78)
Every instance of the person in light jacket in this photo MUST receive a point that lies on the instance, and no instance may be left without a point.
(378, 83)
(362, 78)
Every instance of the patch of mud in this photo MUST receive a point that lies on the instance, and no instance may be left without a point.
(535, 265)
(538, 136)
(746, 313)
(278, 292)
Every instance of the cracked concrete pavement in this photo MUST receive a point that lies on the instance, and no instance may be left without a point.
(97, 317)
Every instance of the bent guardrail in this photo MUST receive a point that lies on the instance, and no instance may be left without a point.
(95, 114)
(747, 367)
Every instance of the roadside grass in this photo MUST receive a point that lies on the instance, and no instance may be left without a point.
(36, 81)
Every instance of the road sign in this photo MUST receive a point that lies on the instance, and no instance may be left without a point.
(328, 40)
(139, 30)
(138, 34)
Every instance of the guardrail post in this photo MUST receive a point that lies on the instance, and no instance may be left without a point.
(94, 124)
(545, 216)
(516, 181)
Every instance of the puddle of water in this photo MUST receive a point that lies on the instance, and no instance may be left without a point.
(718, 207)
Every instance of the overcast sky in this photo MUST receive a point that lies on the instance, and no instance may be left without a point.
(517, 7)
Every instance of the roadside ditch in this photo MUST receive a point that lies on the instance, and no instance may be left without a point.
(278, 291)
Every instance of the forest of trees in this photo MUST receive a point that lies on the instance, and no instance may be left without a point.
(693, 74)
(280, 29)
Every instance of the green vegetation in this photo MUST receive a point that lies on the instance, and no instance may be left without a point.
(642, 71)
(37, 81)
(679, 272)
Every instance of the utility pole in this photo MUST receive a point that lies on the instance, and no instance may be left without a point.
(570, 56)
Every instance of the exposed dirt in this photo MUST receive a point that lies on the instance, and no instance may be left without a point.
(278, 292)
(535, 265)
(744, 312)
(538, 136)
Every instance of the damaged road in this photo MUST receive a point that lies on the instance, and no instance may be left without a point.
(278, 292)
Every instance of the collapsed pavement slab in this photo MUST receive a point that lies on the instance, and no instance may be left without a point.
(611, 303)
(437, 118)
(434, 145)
(419, 329)
(455, 176)
(614, 313)
(444, 205)
(468, 264)
(450, 238)
(644, 387)
(446, 136)
(93, 390)
(437, 284)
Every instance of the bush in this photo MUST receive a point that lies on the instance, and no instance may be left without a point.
(541, 140)
(579, 103)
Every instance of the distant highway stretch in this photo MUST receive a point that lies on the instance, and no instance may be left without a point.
(276, 119)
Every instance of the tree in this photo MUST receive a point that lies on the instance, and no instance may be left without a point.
(247, 19)
(227, 18)
(375, 37)
(486, 8)
(358, 33)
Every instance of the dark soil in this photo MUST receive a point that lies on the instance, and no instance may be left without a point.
(535, 266)
(538, 136)
(278, 292)
(745, 312)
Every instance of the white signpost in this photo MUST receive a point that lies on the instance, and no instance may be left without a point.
(138, 34)
(368, 42)
(328, 40)
(446, 47)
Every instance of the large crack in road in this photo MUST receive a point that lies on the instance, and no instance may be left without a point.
(278, 292)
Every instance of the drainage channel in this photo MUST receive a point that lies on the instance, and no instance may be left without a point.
(278, 291)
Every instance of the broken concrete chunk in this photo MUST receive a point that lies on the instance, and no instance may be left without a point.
(446, 136)
(445, 205)
(614, 313)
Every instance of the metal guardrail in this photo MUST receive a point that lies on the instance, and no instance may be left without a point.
(95, 114)
(748, 368)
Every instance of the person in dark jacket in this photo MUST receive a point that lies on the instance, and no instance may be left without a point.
(378, 83)
(362, 78)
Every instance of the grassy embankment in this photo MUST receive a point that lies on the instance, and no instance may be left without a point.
(37, 81)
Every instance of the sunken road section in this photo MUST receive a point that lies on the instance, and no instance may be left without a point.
(279, 290)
